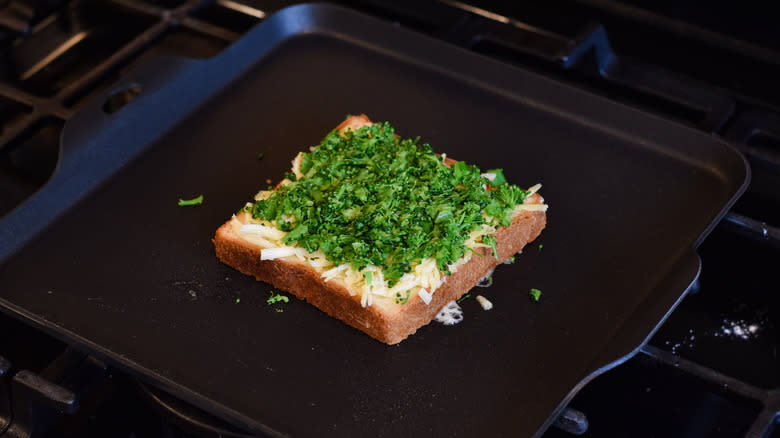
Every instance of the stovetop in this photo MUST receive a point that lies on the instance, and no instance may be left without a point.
(712, 369)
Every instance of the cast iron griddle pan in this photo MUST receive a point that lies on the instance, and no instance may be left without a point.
(104, 258)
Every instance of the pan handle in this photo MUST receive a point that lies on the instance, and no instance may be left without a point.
(95, 142)
(147, 87)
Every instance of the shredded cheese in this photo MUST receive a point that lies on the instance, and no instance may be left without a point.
(263, 231)
(296, 165)
(276, 253)
(528, 207)
(425, 296)
(262, 195)
(484, 302)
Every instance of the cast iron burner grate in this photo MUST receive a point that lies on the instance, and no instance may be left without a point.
(712, 370)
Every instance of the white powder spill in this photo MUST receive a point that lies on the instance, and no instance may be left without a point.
(687, 341)
(738, 329)
(450, 314)
(730, 329)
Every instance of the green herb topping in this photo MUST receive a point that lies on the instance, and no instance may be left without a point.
(499, 176)
(476, 253)
(463, 298)
(402, 298)
(367, 197)
(491, 242)
(368, 276)
(190, 202)
(277, 298)
(535, 294)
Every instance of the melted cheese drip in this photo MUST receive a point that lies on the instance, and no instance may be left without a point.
(450, 314)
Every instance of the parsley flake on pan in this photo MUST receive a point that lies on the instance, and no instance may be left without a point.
(191, 202)
(535, 294)
(366, 197)
(277, 298)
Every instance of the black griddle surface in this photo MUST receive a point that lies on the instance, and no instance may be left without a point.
(124, 272)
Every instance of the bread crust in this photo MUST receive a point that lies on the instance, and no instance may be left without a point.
(389, 324)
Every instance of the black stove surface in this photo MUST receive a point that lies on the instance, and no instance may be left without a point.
(712, 369)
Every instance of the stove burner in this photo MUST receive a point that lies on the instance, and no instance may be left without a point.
(18, 16)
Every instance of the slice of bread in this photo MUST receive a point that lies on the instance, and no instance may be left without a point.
(384, 320)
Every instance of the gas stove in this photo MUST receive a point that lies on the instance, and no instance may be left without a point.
(711, 370)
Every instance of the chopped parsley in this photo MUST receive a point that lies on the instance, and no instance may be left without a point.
(475, 251)
(367, 197)
(277, 298)
(463, 298)
(238, 300)
(260, 155)
(491, 242)
(190, 202)
(499, 179)
(402, 299)
(540, 247)
(535, 294)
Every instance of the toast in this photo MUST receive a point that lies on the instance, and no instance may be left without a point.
(370, 298)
